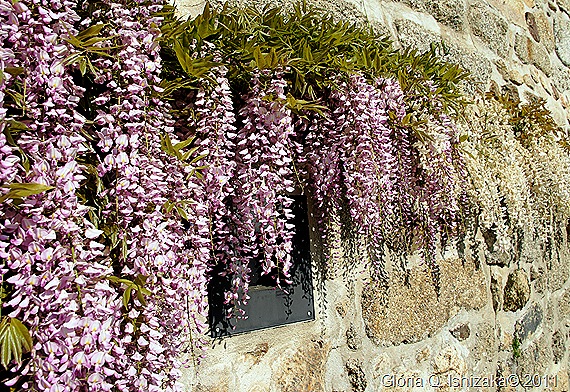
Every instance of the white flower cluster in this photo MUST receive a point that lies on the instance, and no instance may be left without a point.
(519, 189)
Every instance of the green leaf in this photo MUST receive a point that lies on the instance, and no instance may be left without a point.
(14, 71)
(82, 65)
(127, 296)
(91, 31)
(19, 190)
(15, 340)
(140, 297)
(258, 57)
(179, 146)
(182, 212)
(140, 280)
(168, 206)
(17, 126)
(137, 285)
(199, 158)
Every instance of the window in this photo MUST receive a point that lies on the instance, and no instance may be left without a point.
(270, 306)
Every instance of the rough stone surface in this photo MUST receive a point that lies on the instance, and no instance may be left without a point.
(353, 338)
(461, 332)
(536, 357)
(448, 12)
(562, 383)
(411, 34)
(492, 256)
(558, 346)
(414, 312)
(496, 289)
(305, 370)
(532, 27)
(564, 306)
(545, 30)
(356, 376)
(509, 73)
(529, 322)
(339, 9)
(562, 37)
(533, 53)
(216, 388)
(517, 291)
(258, 352)
(485, 343)
(479, 67)
(558, 273)
(449, 359)
(488, 25)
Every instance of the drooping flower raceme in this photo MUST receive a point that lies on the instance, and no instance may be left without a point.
(401, 190)
(64, 258)
(520, 189)
(263, 178)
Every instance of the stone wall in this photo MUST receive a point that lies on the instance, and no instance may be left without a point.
(493, 317)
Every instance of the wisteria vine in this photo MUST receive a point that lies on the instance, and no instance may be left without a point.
(117, 209)
(96, 275)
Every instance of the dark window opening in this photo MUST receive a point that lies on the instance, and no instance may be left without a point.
(269, 306)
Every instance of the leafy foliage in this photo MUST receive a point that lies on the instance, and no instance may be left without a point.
(530, 120)
(15, 340)
(312, 47)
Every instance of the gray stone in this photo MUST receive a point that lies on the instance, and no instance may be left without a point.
(532, 28)
(448, 359)
(564, 306)
(412, 312)
(562, 382)
(258, 352)
(528, 323)
(558, 272)
(478, 66)
(544, 29)
(517, 291)
(415, 36)
(484, 343)
(562, 37)
(447, 12)
(558, 346)
(356, 375)
(461, 332)
(508, 73)
(487, 24)
(564, 5)
(538, 278)
(353, 339)
(338, 9)
(534, 53)
(540, 28)
(220, 387)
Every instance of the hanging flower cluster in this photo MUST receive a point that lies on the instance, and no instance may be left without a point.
(401, 190)
(249, 176)
(519, 184)
(97, 278)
